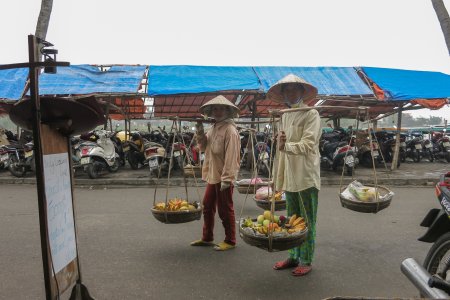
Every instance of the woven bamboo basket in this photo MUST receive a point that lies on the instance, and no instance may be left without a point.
(191, 170)
(176, 217)
(265, 204)
(250, 188)
(367, 207)
(278, 243)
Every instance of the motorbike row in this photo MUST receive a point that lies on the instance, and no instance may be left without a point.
(102, 151)
(338, 149)
(343, 150)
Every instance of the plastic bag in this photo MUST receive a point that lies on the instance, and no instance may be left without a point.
(256, 180)
(249, 181)
(263, 193)
(361, 192)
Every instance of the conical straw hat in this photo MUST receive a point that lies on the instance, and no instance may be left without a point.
(205, 109)
(275, 94)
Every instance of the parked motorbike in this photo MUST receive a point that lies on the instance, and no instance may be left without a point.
(414, 147)
(136, 147)
(387, 141)
(336, 152)
(366, 151)
(427, 150)
(441, 146)
(100, 155)
(436, 266)
(21, 159)
(118, 147)
(4, 157)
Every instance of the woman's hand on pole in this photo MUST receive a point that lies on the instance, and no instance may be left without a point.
(281, 140)
(224, 185)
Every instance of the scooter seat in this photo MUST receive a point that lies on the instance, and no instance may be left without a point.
(330, 147)
(331, 137)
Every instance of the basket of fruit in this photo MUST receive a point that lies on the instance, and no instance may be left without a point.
(193, 171)
(280, 201)
(273, 233)
(364, 198)
(177, 211)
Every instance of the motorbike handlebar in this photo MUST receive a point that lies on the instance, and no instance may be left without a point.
(436, 282)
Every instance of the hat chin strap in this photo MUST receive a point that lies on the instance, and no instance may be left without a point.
(293, 105)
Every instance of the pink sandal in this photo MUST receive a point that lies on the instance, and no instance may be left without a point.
(301, 270)
(285, 264)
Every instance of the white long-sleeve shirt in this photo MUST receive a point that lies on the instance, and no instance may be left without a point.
(298, 165)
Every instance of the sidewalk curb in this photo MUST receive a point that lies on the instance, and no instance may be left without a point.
(147, 182)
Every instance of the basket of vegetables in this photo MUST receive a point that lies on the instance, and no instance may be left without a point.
(177, 211)
(273, 233)
(365, 198)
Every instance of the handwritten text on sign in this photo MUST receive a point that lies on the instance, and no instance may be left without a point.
(58, 192)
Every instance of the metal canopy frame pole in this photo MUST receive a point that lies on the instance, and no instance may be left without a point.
(254, 108)
(34, 93)
(397, 139)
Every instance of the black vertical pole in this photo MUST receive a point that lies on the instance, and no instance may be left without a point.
(253, 113)
(34, 93)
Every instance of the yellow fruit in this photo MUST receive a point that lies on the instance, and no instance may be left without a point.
(291, 221)
(191, 207)
(299, 228)
(160, 206)
(297, 221)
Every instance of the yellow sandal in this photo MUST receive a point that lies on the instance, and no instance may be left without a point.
(202, 243)
(223, 246)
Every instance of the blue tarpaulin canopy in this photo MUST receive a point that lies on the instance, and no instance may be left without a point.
(12, 83)
(328, 80)
(171, 80)
(403, 85)
(181, 90)
(87, 79)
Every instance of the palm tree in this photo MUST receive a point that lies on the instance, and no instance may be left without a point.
(43, 21)
(444, 19)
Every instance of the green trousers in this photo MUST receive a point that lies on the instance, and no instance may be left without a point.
(305, 253)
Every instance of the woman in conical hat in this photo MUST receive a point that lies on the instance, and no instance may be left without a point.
(298, 170)
(221, 145)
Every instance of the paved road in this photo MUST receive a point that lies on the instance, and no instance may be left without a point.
(126, 254)
(408, 169)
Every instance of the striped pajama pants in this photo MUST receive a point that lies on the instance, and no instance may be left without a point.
(305, 253)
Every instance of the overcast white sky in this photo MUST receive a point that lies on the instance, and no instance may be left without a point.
(380, 33)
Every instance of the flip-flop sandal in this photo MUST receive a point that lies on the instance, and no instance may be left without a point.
(302, 270)
(285, 264)
(224, 246)
(202, 243)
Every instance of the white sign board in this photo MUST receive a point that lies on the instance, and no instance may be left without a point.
(58, 192)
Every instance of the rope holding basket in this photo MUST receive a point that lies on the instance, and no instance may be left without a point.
(383, 196)
(169, 213)
(271, 242)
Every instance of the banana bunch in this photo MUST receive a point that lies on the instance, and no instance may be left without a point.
(272, 227)
(278, 196)
(175, 204)
(295, 224)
